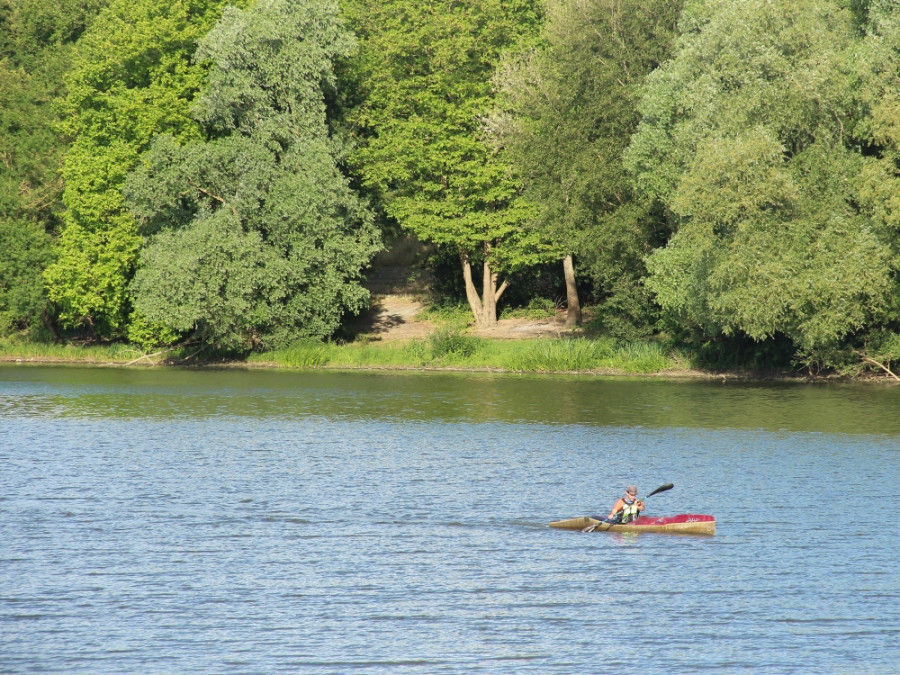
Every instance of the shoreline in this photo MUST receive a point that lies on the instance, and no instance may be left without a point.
(685, 374)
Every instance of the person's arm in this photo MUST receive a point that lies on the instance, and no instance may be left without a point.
(640, 505)
(620, 504)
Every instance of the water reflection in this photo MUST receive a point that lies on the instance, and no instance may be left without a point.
(479, 398)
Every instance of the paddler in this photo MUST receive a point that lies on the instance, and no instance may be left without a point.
(626, 508)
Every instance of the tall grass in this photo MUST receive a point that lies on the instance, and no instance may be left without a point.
(442, 348)
(643, 356)
(446, 343)
(45, 351)
(547, 355)
(446, 347)
(304, 354)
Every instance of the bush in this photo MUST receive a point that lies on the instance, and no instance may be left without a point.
(452, 343)
(452, 316)
(538, 308)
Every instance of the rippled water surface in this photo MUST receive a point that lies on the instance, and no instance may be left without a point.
(252, 522)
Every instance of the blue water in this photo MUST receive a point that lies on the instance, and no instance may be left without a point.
(249, 522)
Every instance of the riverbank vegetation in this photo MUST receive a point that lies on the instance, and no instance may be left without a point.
(443, 349)
(714, 181)
(454, 350)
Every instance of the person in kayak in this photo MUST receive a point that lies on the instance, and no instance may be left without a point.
(627, 508)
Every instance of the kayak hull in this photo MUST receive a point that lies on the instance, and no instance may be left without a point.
(684, 523)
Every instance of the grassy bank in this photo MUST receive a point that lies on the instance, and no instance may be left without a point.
(111, 354)
(68, 353)
(444, 348)
(452, 349)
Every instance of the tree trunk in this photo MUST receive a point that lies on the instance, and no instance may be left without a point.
(573, 311)
(484, 308)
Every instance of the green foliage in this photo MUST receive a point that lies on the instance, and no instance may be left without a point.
(304, 354)
(29, 154)
(762, 167)
(426, 80)
(256, 239)
(16, 347)
(747, 137)
(131, 79)
(572, 355)
(878, 64)
(29, 147)
(881, 349)
(148, 334)
(643, 356)
(877, 351)
(627, 311)
(567, 112)
(417, 352)
(451, 316)
(742, 353)
(35, 50)
(422, 78)
(33, 26)
(537, 308)
(26, 251)
(452, 344)
(580, 354)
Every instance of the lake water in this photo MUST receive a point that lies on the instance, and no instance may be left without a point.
(167, 521)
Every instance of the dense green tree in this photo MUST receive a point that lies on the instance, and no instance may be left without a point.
(256, 239)
(878, 68)
(36, 41)
(29, 193)
(26, 250)
(423, 77)
(749, 137)
(132, 78)
(569, 107)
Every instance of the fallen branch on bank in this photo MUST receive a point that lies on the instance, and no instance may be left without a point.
(150, 356)
(869, 359)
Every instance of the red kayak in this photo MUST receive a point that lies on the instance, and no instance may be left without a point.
(683, 523)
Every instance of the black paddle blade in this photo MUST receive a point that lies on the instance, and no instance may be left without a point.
(661, 488)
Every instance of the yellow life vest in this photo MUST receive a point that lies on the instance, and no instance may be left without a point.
(629, 512)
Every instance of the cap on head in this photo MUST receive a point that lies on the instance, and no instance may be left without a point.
(631, 490)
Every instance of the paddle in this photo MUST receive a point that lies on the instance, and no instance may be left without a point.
(661, 488)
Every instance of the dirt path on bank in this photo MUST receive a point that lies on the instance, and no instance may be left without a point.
(396, 317)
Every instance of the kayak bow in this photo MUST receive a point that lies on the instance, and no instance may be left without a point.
(683, 523)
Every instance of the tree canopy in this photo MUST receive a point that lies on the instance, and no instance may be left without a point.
(131, 79)
(424, 74)
(720, 171)
(567, 110)
(256, 239)
(36, 43)
(749, 138)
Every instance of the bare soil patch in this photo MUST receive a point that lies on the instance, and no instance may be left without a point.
(397, 317)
